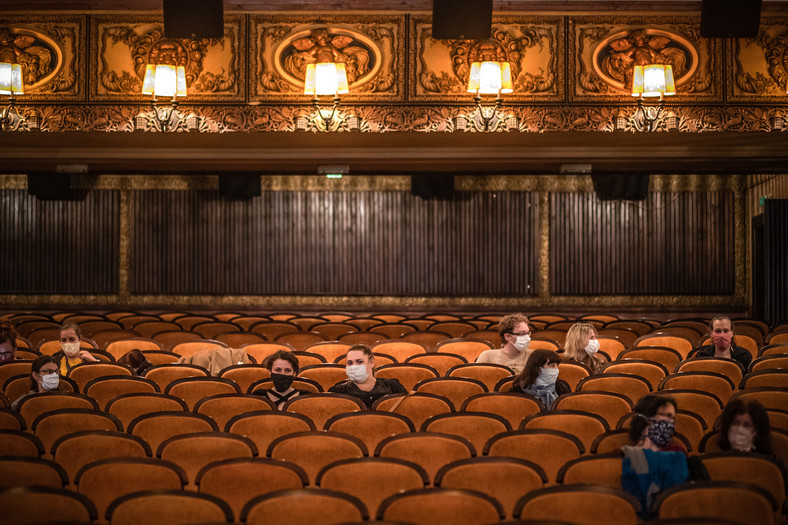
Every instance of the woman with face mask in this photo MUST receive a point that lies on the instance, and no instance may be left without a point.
(745, 428)
(581, 345)
(539, 378)
(44, 377)
(71, 354)
(652, 463)
(283, 366)
(362, 382)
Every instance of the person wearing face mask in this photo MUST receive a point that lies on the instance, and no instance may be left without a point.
(539, 378)
(516, 337)
(652, 464)
(44, 377)
(283, 366)
(71, 354)
(744, 427)
(361, 382)
(581, 345)
(7, 343)
(722, 345)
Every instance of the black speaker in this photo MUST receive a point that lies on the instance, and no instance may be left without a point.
(730, 18)
(434, 186)
(462, 19)
(50, 185)
(193, 19)
(239, 186)
(620, 187)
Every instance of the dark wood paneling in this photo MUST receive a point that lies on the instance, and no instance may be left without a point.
(335, 243)
(671, 243)
(59, 246)
(775, 213)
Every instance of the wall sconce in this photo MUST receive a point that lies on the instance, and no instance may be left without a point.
(649, 82)
(10, 84)
(489, 78)
(323, 80)
(164, 80)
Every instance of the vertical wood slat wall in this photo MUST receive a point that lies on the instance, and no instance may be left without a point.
(335, 243)
(775, 260)
(671, 243)
(59, 246)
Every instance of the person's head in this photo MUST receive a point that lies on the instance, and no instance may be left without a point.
(7, 343)
(515, 332)
(70, 338)
(283, 366)
(744, 425)
(360, 362)
(581, 341)
(654, 416)
(540, 363)
(721, 331)
(45, 374)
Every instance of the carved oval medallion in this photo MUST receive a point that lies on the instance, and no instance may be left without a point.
(40, 57)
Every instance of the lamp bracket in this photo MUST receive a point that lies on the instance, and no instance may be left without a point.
(10, 118)
(648, 114)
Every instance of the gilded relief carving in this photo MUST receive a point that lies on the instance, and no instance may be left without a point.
(372, 49)
(533, 47)
(124, 46)
(606, 53)
(50, 52)
(759, 66)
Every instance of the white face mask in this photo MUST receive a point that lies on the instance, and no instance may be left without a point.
(70, 349)
(521, 342)
(356, 373)
(592, 347)
(741, 438)
(50, 381)
(547, 377)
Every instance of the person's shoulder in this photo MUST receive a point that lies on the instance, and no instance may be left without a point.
(488, 355)
(705, 351)
(391, 383)
(340, 388)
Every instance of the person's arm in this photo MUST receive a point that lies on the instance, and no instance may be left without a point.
(87, 357)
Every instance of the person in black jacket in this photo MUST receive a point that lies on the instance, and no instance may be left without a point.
(722, 343)
(362, 382)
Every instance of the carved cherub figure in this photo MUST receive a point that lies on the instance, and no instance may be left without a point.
(638, 48)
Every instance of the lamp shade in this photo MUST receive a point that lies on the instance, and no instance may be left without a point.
(327, 78)
(490, 78)
(164, 80)
(653, 81)
(11, 79)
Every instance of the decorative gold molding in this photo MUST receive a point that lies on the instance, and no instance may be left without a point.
(757, 69)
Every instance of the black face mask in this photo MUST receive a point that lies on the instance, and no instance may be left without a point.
(282, 382)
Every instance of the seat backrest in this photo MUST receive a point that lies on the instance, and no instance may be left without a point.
(263, 427)
(765, 378)
(245, 375)
(441, 362)
(648, 370)
(163, 375)
(20, 443)
(631, 386)
(372, 479)
(476, 427)
(314, 450)
(22, 505)
(300, 340)
(775, 398)
(429, 450)
(299, 507)
(467, 348)
(507, 479)
(322, 407)
(168, 506)
(586, 426)
(740, 502)
(50, 426)
(194, 451)
(330, 350)
(398, 349)
(222, 407)
(585, 504)
(487, 373)
(680, 344)
(609, 405)
(13, 369)
(767, 362)
(750, 468)
(370, 426)
(510, 405)
(436, 506)
(98, 480)
(326, 374)
(157, 427)
(392, 330)
(573, 372)
(712, 382)
(531, 444)
(456, 389)
(409, 374)
(331, 331)
(705, 404)
(105, 389)
(74, 451)
(428, 339)
(597, 469)
(193, 389)
(22, 471)
(417, 407)
(36, 404)
(120, 347)
(127, 407)
(727, 367)
(667, 357)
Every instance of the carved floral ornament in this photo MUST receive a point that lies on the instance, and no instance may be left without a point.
(40, 57)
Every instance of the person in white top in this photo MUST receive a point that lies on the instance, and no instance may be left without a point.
(516, 336)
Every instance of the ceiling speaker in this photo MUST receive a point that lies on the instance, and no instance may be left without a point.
(239, 186)
(52, 186)
(730, 18)
(193, 19)
(432, 186)
(621, 187)
(462, 19)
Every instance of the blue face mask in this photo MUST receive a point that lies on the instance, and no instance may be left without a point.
(661, 431)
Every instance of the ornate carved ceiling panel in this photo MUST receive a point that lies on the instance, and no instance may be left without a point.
(758, 67)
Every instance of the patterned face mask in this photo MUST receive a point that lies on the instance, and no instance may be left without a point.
(661, 431)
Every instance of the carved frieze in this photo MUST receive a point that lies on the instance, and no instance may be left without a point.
(123, 45)
(51, 51)
(371, 47)
(758, 67)
(607, 49)
(534, 46)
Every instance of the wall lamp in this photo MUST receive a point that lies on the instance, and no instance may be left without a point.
(490, 75)
(326, 79)
(10, 84)
(651, 84)
(163, 80)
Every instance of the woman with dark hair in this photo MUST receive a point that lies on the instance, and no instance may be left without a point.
(361, 382)
(283, 366)
(744, 426)
(652, 464)
(540, 378)
(44, 377)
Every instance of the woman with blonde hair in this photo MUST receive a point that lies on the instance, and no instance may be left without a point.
(582, 346)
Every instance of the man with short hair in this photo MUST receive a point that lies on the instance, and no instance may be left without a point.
(722, 342)
(516, 336)
(7, 343)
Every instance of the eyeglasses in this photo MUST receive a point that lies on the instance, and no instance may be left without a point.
(519, 334)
